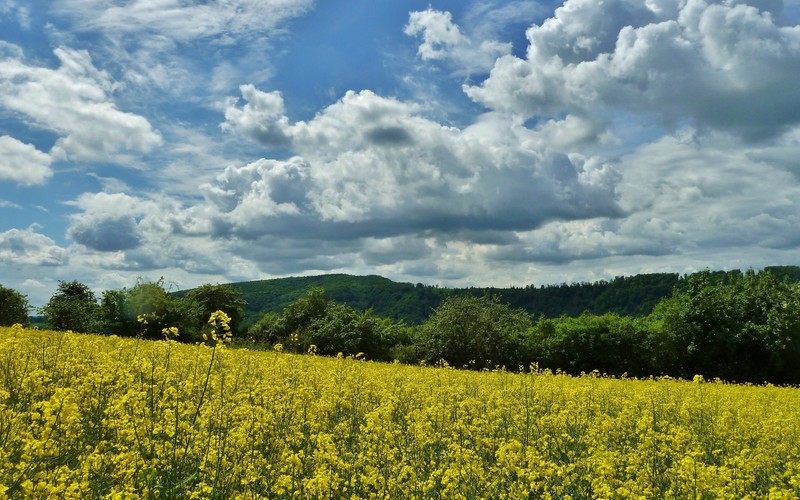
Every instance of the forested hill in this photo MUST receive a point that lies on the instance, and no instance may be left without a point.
(413, 303)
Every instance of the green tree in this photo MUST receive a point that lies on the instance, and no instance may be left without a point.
(206, 299)
(743, 327)
(479, 332)
(73, 307)
(13, 307)
(350, 331)
(609, 343)
(113, 319)
(151, 302)
(293, 326)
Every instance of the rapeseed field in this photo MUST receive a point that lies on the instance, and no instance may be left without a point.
(84, 416)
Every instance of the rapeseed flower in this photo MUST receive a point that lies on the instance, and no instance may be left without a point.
(90, 416)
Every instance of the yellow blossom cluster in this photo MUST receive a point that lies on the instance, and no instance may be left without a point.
(85, 416)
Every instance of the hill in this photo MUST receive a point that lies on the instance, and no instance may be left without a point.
(413, 303)
(400, 301)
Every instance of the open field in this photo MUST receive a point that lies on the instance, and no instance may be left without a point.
(88, 416)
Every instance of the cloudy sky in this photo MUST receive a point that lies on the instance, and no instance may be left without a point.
(458, 143)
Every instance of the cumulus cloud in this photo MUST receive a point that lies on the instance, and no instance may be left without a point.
(371, 166)
(138, 234)
(722, 65)
(562, 242)
(716, 188)
(75, 102)
(23, 163)
(107, 222)
(261, 118)
(443, 40)
(683, 196)
(28, 247)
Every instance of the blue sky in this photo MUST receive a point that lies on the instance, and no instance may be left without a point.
(456, 142)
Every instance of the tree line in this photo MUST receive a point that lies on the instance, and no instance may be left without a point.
(143, 310)
(735, 326)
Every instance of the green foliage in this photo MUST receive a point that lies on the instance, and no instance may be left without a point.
(13, 307)
(120, 312)
(206, 299)
(267, 329)
(399, 301)
(330, 326)
(413, 304)
(293, 326)
(610, 343)
(349, 331)
(744, 327)
(151, 301)
(73, 307)
(112, 314)
(732, 325)
(479, 332)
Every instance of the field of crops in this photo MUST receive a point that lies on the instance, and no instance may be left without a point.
(89, 416)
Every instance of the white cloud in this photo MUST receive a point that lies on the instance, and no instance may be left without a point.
(442, 40)
(371, 166)
(23, 163)
(153, 40)
(261, 118)
(74, 101)
(706, 200)
(144, 233)
(108, 222)
(183, 20)
(21, 247)
(17, 11)
(10, 50)
(723, 65)
(374, 184)
(8, 204)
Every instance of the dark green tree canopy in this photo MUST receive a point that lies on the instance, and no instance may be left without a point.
(479, 332)
(736, 326)
(330, 326)
(13, 307)
(209, 298)
(73, 307)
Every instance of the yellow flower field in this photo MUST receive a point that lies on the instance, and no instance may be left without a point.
(85, 416)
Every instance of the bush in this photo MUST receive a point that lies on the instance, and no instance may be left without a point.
(610, 343)
(206, 299)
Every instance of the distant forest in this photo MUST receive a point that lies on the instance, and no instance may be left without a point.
(414, 303)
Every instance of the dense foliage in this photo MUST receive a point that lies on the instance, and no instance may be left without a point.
(735, 326)
(143, 310)
(475, 332)
(73, 307)
(745, 328)
(85, 416)
(413, 304)
(13, 307)
(330, 327)
(732, 325)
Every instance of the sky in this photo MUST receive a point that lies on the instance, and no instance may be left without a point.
(451, 143)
